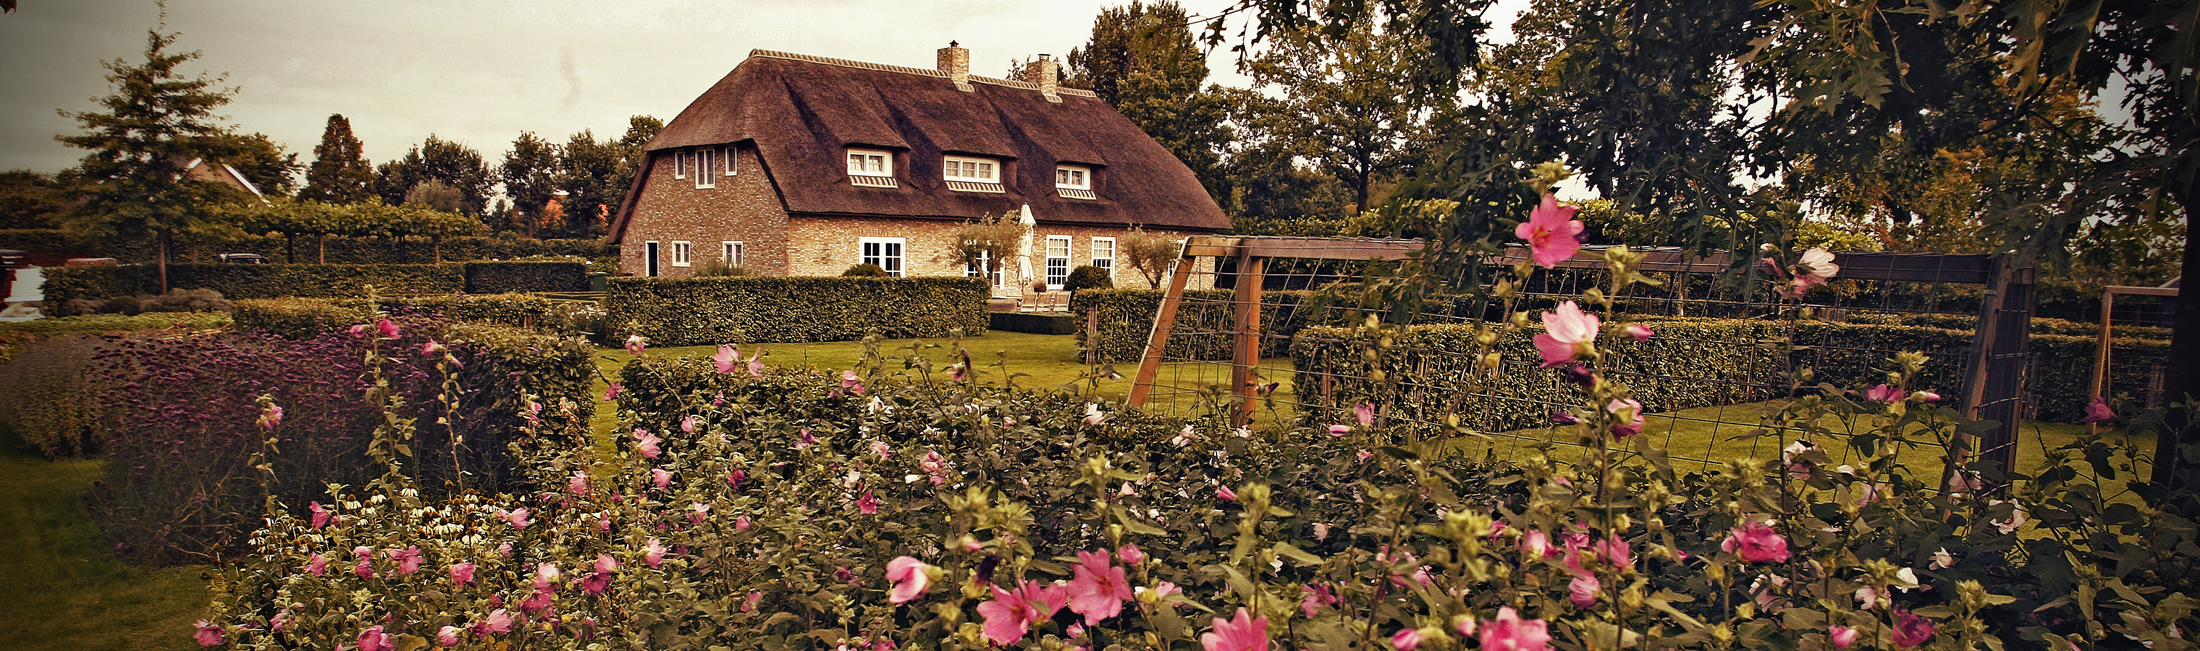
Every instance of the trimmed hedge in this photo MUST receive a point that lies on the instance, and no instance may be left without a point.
(2040, 325)
(526, 276)
(755, 309)
(356, 250)
(1038, 324)
(1126, 320)
(239, 281)
(303, 318)
(1690, 363)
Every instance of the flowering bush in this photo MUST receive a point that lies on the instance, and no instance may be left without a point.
(778, 509)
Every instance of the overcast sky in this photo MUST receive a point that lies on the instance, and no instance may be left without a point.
(481, 71)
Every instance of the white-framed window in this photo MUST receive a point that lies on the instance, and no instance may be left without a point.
(1057, 260)
(1073, 177)
(734, 253)
(985, 267)
(679, 164)
(733, 161)
(974, 170)
(680, 254)
(1103, 254)
(870, 162)
(886, 252)
(706, 169)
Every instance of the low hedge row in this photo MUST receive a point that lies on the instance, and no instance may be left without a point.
(1202, 323)
(1038, 324)
(756, 309)
(308, 249)
(237, 281)
(2040, 326)
(1690, 363)
(526, 276)
(301, 318)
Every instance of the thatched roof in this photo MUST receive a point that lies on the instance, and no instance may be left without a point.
(802, 113)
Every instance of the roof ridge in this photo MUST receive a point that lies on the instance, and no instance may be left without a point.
(882, 67)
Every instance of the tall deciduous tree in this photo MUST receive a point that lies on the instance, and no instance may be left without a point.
(588, 172)
(527, 175)
(436, 159)
(156, 121)
(1343, 109)
(1143, 60)
(340, 172)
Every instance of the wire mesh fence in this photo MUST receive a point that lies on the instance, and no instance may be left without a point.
(1273, 341)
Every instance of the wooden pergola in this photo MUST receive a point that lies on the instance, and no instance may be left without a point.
(1994, 370)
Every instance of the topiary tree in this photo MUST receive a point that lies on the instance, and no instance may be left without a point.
(1088, 277)
(867, 269)
(1150, 254)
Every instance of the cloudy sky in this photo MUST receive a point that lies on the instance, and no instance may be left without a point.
(482, 71)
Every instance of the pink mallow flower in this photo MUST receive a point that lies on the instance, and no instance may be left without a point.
(1629, 413)
(516, 517)
(1910, 629)
(1130, 554)
(867, 504)
(2098, 412)
(462, 574)
(1099, 588)
(1640, 332)
(1406, 639)
(366, 561)
(909, 577)
(1364, 413)
(317, 565)
(635, 344)
(1883, 393)
(320, 514)
(611, 392)
(1552, 233)
(408, 559)
(849, 381)
(388, 329)
(1246, 633)
(1583, 590)
(1509, 633)
(578, 483)
(373, 639)
(688, 424)
(498, 621)
(1567, 334)
(1010, 614)
(1756, 542)
(449, 636)
(1225, 494)
(661, 477)
(647, 443)
(1843, 636)
(726, 359)
(1340, 430)
(653, 552)
(209, 634)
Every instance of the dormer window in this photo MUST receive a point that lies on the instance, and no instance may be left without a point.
(871, 168)
(1073, 182)
(972, 174)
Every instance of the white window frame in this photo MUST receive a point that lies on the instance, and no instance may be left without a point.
(682, 253)
(734, 252)
(998, 276)
(885, 158)
(706, 170)
(679, 164)
(733, 160)
(1107, 263)
(1068, 248)
(899, 255)
(950, 169)
(1083, 180)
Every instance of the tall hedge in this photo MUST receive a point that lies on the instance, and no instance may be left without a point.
(303, 318)
(526, 276)
(1202, 322)
(756, 309)
(350, 250)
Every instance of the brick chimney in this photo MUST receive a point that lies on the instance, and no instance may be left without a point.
(1047, 74)
(955, 61)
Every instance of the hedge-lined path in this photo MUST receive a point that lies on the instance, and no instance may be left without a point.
(63, 588)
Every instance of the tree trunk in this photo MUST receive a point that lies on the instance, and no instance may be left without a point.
(324, 250)
(2183, 376)
(160, 239)
(290, 248)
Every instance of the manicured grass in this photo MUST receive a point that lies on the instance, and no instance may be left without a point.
(63, 590)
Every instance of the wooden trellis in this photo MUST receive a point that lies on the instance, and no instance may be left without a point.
(1994, 372)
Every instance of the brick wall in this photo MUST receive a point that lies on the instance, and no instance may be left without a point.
(827, 246)
(743, 207)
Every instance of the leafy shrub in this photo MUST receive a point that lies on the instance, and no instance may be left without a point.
(181, 300)
(720, 267)
(867, 270)
(690, 311)
(183, 428)
(526, 276)
(99, 323)
(295, 318)
(1038, 324)
(50, 398)
(1088, 277)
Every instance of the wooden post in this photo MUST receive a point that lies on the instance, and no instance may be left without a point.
(2100, 355)
(1092, 335)
(1149, 364)
(1997, 365)
(1245, 342)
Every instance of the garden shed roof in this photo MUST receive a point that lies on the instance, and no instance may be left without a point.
(803, 113)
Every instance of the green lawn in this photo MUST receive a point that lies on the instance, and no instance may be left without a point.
(62, 588)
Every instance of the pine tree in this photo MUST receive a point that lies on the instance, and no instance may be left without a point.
(157, 121)
(340, 172)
